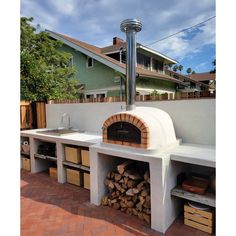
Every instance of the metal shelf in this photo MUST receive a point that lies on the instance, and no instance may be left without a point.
(43, 157)
(67, 163)
(207, 199)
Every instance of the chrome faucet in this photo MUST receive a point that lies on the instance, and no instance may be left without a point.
(67, 123)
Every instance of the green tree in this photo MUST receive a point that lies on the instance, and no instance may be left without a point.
(46, 72)
(180, 68)
(189, 70)
(193, 72)
(175, 68)
(213, 71)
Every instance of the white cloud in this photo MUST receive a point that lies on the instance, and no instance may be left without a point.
(180, 46)
(66, 7)
(42, 17)
(200, 66)
(98, 21)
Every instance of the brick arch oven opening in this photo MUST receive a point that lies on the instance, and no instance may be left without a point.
(126, 129)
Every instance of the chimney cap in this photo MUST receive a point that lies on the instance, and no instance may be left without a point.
(131, 25)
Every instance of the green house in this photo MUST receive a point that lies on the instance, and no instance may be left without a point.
(101, 71)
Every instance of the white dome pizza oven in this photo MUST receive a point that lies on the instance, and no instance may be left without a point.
(143, 127)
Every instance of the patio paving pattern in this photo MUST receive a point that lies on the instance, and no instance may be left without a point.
(49, 208)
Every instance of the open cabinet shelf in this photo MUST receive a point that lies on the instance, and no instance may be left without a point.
(78, 166)
(207, 199)
(43, 157)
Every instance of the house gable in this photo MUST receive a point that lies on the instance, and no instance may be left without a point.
(97, 77)
(101, 58)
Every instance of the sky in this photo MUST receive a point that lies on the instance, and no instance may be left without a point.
(98, 21)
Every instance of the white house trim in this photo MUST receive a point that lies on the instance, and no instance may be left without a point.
(157, 53)
(148, 50)
(107, 53)
(102, 90)
(95, 93)
(146, 91)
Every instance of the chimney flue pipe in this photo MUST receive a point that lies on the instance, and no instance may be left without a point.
(130, 27)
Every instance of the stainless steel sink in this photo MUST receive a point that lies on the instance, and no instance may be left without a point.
(59, 132)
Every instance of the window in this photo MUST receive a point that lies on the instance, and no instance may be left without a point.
(89, 62)
(89, 96)
(157, 65)
(71, 63)
(100, 95)
(96, 95)
(143, 61)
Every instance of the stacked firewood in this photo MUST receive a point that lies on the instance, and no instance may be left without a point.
(129, 190)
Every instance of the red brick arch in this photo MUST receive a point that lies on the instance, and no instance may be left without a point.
(132, 119)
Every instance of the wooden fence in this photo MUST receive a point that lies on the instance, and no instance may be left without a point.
(158, 97)
(26, 116)
(32, 115)
(41, 114)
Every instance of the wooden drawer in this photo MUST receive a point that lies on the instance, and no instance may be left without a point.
(53, 172)
(199, 219)
(86, 180)
(85, 158)
(73, 154)
(73, 176)
(25, 163)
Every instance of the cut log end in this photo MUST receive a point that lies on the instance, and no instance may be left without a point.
(124, 166)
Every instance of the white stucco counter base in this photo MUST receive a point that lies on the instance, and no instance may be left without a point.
(163, 173)
(103, 158)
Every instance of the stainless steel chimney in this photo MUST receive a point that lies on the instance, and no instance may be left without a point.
(130, 27)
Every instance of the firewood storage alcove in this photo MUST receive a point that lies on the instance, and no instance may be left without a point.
(128, 188)
(105, 158)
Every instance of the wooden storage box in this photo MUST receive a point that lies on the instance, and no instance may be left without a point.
(26, 163)
(199, 219)
(86, 180)
(85, 158)
(73, 154)
(53, 172)
(73, 176)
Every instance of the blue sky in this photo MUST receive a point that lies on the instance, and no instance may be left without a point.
(98, 21)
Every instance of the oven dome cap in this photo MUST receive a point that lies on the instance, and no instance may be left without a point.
(161, 128)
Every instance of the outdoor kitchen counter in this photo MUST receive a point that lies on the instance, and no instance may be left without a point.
(203, 155)
(40, 163)
(84, 139)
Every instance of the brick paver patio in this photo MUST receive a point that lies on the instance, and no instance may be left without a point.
(52, 209)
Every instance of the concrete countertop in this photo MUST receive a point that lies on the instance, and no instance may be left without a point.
(83, 139)
(186, 152)
(203, 155)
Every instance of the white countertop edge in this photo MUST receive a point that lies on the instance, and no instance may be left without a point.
(83, 139)
(191, 160)
(194, 154)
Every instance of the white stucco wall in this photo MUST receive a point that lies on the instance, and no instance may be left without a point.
(194, 120)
